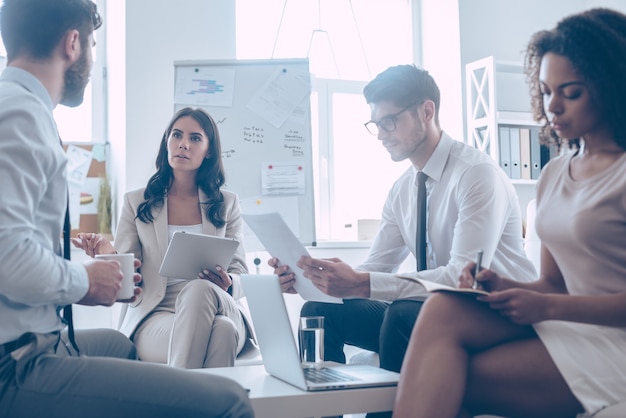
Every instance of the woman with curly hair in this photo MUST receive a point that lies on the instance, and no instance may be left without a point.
(184, 323)
(553, 347)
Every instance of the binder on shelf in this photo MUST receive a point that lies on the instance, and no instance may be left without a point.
(516, 171)
(535, 154)
(555, 150)
(545, 154)
(504, 149)
(524, 140)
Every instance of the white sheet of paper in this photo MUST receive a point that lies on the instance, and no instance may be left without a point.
(280, 242)
(287, 206)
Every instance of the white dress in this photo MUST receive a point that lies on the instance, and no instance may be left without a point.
(583, 224)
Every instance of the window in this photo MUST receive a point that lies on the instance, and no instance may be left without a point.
(348, 43)
(353, 171)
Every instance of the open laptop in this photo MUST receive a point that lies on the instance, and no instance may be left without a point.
(280, 352)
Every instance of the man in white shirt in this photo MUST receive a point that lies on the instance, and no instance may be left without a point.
(471, 206)
(49, 57)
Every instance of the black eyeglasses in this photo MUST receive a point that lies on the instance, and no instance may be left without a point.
(388, 123)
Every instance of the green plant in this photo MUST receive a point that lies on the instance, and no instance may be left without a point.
(104, 206)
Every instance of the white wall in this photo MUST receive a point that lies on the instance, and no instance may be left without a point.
(503, 28)
(613, 4)
(456, 32)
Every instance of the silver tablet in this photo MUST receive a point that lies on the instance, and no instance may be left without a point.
(189, 253)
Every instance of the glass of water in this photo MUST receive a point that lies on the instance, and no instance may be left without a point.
(311, 339)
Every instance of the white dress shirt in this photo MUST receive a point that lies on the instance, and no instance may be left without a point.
(472, 206)
(34, 279)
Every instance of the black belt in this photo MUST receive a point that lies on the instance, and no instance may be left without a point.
(6, 348)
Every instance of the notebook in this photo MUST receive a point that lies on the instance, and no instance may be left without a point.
(280, 352)
(189, 253)
(438, 287)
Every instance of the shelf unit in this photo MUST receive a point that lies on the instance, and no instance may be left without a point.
(497, 95)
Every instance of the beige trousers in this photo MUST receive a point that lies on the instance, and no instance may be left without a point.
(196, 325)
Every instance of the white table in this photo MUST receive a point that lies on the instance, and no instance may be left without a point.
(273, 398)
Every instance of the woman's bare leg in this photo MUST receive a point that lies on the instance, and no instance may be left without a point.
(518, 379)
(449, 331)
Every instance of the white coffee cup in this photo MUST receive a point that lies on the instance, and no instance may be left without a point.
(127, 265)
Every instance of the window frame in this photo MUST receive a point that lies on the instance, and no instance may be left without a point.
(324, 160)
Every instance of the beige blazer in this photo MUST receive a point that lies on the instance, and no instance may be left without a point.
(148, 241)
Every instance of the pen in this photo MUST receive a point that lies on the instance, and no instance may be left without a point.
(479, 259)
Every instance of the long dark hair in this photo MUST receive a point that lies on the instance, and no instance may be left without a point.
(595, 43)
(209, 178)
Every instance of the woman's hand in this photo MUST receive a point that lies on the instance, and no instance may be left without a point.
(487, 279)
(93, 244)
(222, 279)
(521, 306)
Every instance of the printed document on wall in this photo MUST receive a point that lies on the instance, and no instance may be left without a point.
(280, 96)
(282, 178)
(204, 86)
(78, 162)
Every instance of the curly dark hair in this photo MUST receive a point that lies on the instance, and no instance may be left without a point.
(594, 42)
(210, 176)
(403, 85)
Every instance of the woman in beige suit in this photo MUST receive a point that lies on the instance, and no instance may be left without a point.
(184, 323)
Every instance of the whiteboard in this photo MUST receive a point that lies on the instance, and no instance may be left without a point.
(263, 112)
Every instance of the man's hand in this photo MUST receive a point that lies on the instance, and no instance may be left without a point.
(336, 278)
(105, 281)
(285, 275)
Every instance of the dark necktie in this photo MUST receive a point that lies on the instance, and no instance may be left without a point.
(420, 233)
(67, 309)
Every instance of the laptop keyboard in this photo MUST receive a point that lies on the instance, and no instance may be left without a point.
(326, 375)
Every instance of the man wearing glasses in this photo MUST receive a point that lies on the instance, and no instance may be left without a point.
(470, 205)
